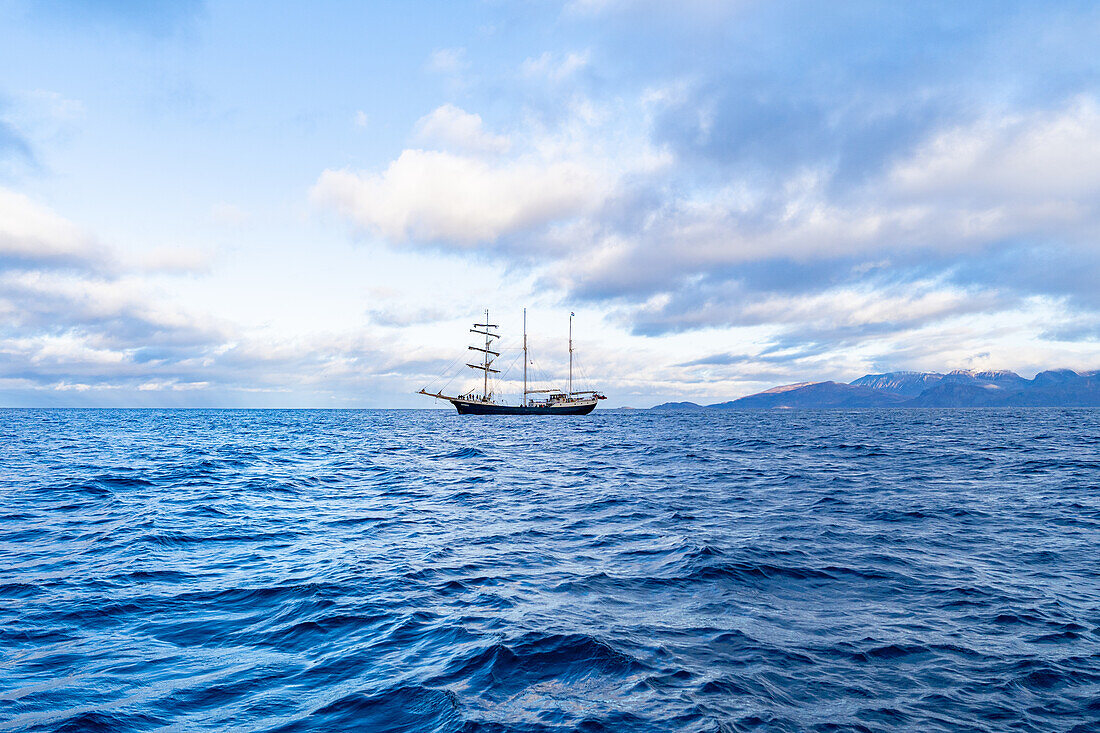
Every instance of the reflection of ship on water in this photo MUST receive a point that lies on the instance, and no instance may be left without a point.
(546, 401)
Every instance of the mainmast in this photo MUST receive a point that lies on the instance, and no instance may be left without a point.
(524, 357)
(485, 366)
(571, 314)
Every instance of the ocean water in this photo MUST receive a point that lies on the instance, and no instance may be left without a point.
(627, 571)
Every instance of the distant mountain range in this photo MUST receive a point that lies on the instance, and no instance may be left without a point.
(960, 388)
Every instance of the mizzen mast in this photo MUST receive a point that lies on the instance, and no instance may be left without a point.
(486, 365)
(571, 314)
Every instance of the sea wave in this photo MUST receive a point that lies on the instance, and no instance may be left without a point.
(421, 571)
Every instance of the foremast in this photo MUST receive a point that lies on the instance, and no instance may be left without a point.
(486, 366)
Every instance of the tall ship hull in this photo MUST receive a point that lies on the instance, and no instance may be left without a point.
(483, 408)
(547, 401)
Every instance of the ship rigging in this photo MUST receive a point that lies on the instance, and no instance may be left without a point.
(547, 401)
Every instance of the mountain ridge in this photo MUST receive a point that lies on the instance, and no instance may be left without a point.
(959, 388)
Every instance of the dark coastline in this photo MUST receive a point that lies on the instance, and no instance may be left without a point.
(958, 389)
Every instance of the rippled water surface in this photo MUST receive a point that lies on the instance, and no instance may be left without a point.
(422, 571)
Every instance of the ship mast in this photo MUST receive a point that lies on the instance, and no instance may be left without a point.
(485, 387)
(524, 356)
(571, 314)
(485, 366)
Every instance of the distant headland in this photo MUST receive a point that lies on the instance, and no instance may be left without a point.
(960, 388)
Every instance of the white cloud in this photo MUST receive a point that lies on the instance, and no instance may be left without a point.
(447, 61)
(848, 309)
(177, 260)
(569, 189)
(68, 349)
(70, 387)
(114, 335)
(403, 317)
(1050, 155)
(464, 199)
(859, 306)
(361, 118)
(554, 67)
(67, 300)
(453, 128)
(171, 385)
(34, 238)
(31, 232)
(963, 190)
(434, 196)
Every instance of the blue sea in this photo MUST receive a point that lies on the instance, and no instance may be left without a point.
(876, 570)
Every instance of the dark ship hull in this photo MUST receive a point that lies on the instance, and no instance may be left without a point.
(488, 408)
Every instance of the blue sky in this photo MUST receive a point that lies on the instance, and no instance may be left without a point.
(250, 204)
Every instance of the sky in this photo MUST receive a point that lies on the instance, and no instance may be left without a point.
(262, 204)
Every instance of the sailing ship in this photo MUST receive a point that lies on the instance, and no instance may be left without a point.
(545, 401)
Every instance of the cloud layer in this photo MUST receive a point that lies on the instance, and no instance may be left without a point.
(481, 190)
(852, 179)
(83, 325)
(731, 194)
